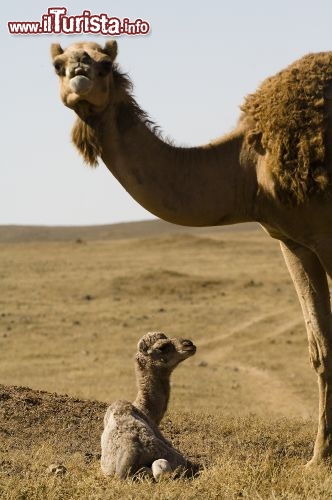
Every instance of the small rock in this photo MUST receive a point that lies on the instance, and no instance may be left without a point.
(202, 363)
(252, 283)
(87, 297)
(88, 457)
(57, 469)
(161, 469)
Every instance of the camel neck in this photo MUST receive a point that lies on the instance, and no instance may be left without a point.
(197, 186)
(153, 393)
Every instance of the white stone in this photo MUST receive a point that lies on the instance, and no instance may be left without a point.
(161, 468)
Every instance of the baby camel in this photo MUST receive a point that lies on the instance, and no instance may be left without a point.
(131, 441)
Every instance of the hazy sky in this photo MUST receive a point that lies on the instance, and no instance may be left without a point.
(190, 73)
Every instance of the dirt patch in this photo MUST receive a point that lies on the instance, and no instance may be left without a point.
(30, 419)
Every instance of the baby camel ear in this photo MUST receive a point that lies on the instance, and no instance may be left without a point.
(56, 50)
(142, 346)
(148, 340)
(111, 49)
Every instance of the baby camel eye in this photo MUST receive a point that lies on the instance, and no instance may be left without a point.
(165, 348)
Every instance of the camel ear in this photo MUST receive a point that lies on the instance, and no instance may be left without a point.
(111, 49)
(56, 50)
(149, 339)
(255, 140)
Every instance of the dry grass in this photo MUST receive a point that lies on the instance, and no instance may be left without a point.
(71, 313)
(245, 457)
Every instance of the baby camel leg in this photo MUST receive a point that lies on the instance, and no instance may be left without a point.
(310, 281)
(127, 463)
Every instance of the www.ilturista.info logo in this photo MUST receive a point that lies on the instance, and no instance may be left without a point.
(57, 22)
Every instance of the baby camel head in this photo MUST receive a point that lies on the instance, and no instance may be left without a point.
(157, 351)
(85, 71)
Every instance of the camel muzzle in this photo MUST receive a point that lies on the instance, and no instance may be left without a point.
(188, 347)
(80, 84)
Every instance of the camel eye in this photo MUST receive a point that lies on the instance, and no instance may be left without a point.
(165, 348)
(59, 69)
(105, 68)
(85, 59)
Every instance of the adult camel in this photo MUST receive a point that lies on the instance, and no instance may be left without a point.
(274, 168)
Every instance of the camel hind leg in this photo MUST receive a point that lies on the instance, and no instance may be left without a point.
(310, 281)
(323, 249)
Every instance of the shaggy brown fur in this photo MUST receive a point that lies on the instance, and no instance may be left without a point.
(290, 124)
(86, 130)
(86, 140)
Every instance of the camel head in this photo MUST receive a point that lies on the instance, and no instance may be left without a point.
(85, 71)
(158, 351)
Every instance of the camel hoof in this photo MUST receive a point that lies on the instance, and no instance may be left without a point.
(318, 462)
(310, 464)
(161, 469)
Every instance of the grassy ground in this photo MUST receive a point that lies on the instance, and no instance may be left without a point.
(71, 313)
(241, 457)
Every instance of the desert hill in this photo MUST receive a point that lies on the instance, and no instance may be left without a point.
(141, 229)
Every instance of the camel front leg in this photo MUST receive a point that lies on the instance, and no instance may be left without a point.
(310, 281)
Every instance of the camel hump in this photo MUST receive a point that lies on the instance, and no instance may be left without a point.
(288, 113)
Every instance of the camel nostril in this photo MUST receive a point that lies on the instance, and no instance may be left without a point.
(79, 71)
(187, 343)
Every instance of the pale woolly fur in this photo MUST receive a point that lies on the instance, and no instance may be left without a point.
(131, 441)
